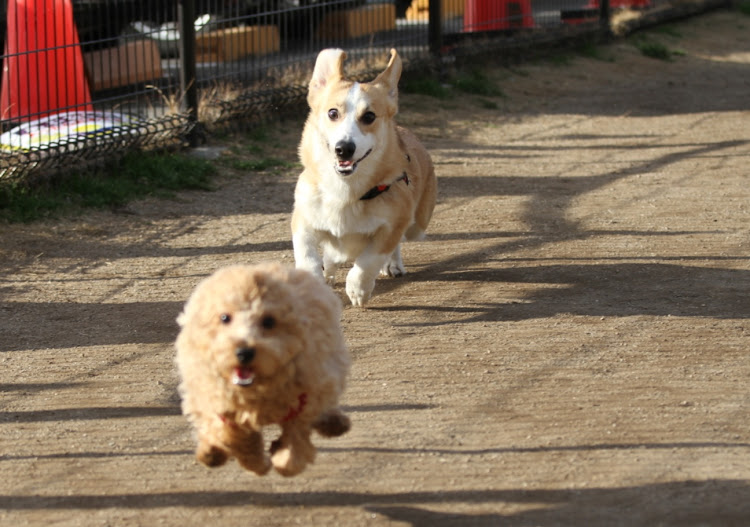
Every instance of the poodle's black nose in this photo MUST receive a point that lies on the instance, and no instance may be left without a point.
(345, 149)
(245, 355)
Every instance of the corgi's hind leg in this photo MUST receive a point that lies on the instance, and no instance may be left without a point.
(414, 233)
(331, 262)
(394, 266)
(329, 271)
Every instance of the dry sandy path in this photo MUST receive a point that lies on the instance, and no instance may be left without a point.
(571, 346)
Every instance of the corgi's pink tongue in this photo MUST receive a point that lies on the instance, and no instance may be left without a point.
(243, 376)
(345, 167)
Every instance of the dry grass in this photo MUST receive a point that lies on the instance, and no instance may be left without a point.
(621, 19)
(299, 74)
(213, 99)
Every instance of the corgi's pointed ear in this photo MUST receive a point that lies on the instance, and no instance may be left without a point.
(329, 68)
(391, 75)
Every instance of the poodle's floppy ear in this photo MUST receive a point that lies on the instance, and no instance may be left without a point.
(389, 78)
(329, 68)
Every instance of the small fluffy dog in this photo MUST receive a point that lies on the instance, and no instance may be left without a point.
(261, 345)
(367, 183)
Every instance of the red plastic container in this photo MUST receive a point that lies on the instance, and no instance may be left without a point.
(493, 15)
(43, 69)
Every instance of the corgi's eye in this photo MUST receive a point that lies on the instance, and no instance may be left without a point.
(268, 322)
(225, 318)
(333, 114)
(367, 118)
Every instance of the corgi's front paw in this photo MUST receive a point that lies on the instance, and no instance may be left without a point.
(313, 267)
(358, 295)
(358, 290)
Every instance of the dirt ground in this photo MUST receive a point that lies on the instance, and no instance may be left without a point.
(570, 347)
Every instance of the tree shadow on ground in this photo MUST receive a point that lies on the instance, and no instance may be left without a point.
(711, 502)
(598, 286)
(618, 290)
(75, 324)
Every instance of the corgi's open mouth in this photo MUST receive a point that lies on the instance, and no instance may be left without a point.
(243, 376)
(346, 167)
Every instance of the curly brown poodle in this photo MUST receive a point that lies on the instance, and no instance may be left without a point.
(258, 346)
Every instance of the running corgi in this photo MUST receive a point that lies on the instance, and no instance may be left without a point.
(367, 183)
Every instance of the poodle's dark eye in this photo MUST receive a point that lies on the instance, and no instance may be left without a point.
(367, 118)
(225, 318)
(333, 114)
(268, 322)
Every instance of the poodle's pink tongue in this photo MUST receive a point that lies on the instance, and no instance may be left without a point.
(243, 376)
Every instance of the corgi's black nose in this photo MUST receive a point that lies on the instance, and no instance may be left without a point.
(245, 355)
(345, 149)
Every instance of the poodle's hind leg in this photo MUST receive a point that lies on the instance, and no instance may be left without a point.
(293, 451)
(332, 423)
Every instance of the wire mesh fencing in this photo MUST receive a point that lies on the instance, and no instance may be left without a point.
(84, 80)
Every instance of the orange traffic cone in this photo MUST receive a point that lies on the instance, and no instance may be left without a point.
(43, 69)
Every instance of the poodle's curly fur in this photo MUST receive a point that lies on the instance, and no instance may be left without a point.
(262, 345)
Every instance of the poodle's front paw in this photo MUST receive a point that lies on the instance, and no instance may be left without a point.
(247, 447)
(292, 452)
(211, 455)
(260, 465)
(289, 463)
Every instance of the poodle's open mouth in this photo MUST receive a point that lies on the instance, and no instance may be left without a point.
(243, 376)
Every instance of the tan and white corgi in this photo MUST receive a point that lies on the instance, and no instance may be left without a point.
(367, 183)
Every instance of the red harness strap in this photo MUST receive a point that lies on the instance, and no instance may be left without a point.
(376, 191)
(227, 421)
(293, 413)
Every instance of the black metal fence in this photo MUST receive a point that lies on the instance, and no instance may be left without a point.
(83, 79)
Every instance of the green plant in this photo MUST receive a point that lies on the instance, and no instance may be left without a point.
(590, 50)
(476, 83)
(488, 104)
(257, 165)
(669, 30)
(258, 133)
(136, 175)
(21, 204)
(744, 7)
(559, 59)
(426, 86)
(652, 49)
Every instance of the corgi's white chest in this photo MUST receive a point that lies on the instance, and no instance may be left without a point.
(342, 219)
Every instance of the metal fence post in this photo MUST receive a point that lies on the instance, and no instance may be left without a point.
(604, 14)
(188, 84)
(435, 27)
